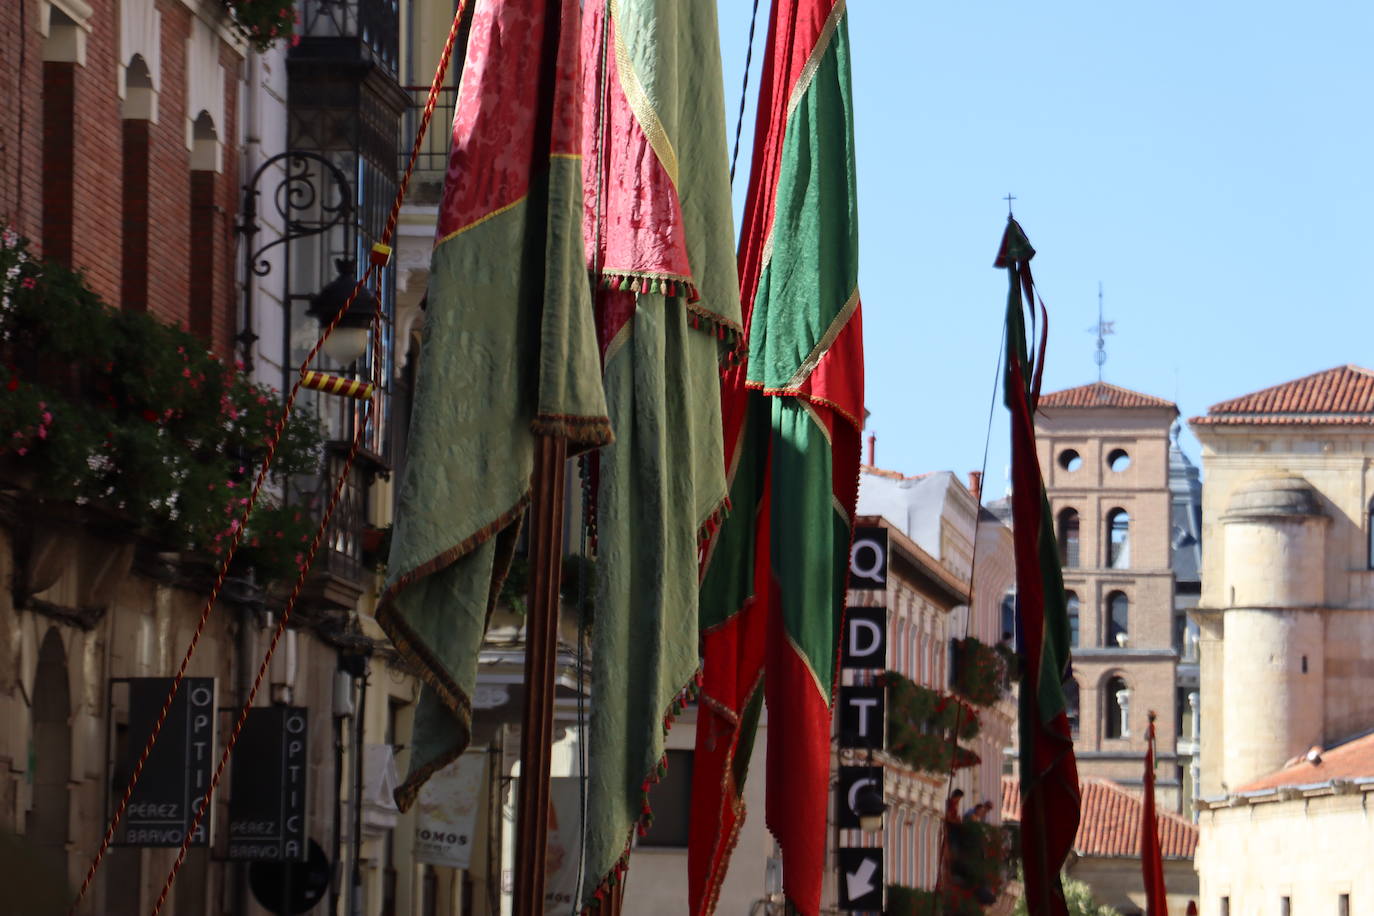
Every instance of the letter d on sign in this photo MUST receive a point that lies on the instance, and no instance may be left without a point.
(865, 638)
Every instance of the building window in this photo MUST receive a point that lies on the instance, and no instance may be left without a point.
(901, 646)
(1071, 693)
(1225, 906)
(1068, 537)
(1285, 906)
(672, 804)
(1071, 603)
(911, 648)
(1343, 905)
(203, 218)
(1070, 460)
(1118, 619)
(1369, 532)
(429, 904)
(1183, 712)
(1118, 539)
(904, 848)
(1118, 460)
(134, 206)
(59, 145)
(1117, 698)
(389, 874)
(1009, 617)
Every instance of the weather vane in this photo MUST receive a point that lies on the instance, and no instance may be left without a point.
(1101, 329)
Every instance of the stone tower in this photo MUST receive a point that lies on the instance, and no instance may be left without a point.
(1105, 455)
(1287, 609)
(1273, 538)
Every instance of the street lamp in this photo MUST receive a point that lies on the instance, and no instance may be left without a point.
(312, 197)
(870, 807)
(348, 342)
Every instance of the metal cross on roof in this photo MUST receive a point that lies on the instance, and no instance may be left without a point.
(1101, 329)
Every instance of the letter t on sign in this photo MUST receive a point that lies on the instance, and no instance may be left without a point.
(861, 717)
(865, 639)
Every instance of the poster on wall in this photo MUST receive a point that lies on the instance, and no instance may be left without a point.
(565, 844)
(447, 812)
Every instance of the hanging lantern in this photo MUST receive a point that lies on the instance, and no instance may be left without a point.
(348, 342)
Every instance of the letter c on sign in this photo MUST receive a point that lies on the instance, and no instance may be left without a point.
(854, 791)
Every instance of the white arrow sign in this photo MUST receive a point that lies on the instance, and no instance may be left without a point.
(860, 881)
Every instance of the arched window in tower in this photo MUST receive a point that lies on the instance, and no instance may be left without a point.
(1118, 619)
(1118, 539)
(1068, 537)
(1071, 704)
(1116, 715)
(1071, 602)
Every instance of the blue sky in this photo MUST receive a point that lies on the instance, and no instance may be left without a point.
(1208, 163)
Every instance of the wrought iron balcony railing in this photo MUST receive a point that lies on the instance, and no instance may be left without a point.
(428, 181)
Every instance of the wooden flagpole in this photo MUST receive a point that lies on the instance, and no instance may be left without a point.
(541, 650)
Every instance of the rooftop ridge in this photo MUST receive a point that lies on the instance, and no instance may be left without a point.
(1103, 394)
(1339, 396)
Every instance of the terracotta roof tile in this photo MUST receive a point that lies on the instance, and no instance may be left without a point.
(1101, 394)
(1341, 396)
(1351, 760)
(1110, 822)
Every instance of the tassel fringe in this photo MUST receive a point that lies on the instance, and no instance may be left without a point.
(730, 335)
(708, 528)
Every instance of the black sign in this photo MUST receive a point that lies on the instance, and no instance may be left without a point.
(178, 769)
(267, 795)
(287, 888)
(868, 558)
(853, 781)
(865, 638)
(861, 717)
(861, 879)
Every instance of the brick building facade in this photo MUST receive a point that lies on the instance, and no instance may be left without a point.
(116, 150)
(1104, 452)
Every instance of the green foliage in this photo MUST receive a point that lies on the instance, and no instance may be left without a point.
(118, 410)
(915, 901)
(1011, 663)
(263, 23)
(980, 854)
(515, 588)
(1078, 896)
(919, 723)
(980, 671)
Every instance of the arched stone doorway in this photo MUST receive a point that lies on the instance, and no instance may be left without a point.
(52, 754)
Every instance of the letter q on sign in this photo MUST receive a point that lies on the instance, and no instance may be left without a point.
(868, 558)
